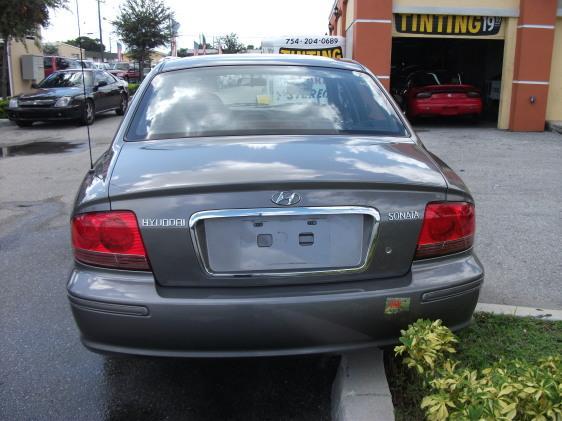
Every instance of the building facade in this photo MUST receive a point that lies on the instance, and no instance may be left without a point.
(510, 49)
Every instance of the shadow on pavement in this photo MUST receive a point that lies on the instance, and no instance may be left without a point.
(295, 388)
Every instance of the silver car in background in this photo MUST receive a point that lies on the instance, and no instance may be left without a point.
(267, 205)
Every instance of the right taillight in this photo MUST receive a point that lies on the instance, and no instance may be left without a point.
(109, 239)
(448, 227)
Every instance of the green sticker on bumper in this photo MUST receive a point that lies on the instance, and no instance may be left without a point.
(396, 305)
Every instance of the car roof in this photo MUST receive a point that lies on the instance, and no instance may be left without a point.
(258, 59)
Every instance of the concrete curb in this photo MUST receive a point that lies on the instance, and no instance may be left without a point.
(520, 311)
(360, 391)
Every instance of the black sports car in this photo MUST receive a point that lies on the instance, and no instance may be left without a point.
(60, 96)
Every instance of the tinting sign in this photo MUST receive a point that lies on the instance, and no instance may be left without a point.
(447, 24)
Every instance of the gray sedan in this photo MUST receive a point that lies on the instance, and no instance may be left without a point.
(267, 205)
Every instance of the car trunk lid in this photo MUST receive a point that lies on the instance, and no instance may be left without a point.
(167, 182)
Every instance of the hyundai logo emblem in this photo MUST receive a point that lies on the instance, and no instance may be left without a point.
(286, 198)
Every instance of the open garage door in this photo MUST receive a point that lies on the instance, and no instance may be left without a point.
(476, 62)
(465, 51)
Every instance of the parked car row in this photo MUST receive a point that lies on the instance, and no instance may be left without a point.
(77, 94)
(124, 69)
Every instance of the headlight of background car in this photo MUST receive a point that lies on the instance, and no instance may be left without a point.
(63, 101)
(13, 103)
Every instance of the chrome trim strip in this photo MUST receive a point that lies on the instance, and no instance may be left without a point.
(297, 211)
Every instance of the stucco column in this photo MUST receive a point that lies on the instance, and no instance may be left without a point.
(531, 72)
(371, 30)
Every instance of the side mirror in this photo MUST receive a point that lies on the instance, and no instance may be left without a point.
(35, 85)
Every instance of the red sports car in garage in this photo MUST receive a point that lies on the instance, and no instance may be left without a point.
(440, 93)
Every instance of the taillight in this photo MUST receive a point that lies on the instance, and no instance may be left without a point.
(448, 227)
(109, 239)
(423, 95)
(473, 94)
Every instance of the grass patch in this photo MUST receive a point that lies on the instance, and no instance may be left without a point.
(3, 105)
(484, 342)
(133, 88)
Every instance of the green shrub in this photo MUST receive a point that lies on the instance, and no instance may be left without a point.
(508, 390)
(3, 106)
(133, 88)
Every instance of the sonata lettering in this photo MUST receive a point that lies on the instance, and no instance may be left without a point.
(399, 216)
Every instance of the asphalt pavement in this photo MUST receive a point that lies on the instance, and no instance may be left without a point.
(516, 179)
(46, 374)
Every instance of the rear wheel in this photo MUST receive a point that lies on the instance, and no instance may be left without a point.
(88, 113)
(24, 123)
(122, 106)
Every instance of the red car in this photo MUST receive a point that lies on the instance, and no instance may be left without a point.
(126, 70)
(440, 93)
(53, 64)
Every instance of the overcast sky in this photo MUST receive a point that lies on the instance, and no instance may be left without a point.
(252, 20)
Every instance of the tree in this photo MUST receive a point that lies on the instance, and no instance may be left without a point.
(50, 49)
(182, 52)
(250, 47)
(88, 44)
(21, 18)
(230, 44)
(143, 25)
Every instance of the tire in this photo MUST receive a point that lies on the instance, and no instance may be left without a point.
(122, 106)
(88, 113)
(21, 123)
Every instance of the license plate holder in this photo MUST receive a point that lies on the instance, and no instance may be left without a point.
(288, 243)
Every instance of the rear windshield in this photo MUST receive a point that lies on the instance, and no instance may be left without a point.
(262, 100)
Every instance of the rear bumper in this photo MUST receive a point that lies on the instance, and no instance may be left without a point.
(125, 312)
(430, 107)
(45, 113)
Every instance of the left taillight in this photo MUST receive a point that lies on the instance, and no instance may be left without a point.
(448, 227)
(109, 239)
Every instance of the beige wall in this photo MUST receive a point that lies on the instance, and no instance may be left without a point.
(554, 104)
(507, 72)
(18, 49)
(69, 51)
(349, 13)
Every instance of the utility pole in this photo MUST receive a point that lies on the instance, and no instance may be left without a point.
(99, 23)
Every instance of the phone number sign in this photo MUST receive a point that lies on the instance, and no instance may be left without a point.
(459, 25)
(325, 46)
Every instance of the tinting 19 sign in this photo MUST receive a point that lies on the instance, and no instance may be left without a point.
(447, 24)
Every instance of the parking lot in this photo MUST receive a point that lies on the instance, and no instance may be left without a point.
(517, 182)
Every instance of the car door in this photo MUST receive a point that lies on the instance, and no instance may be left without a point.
(114, 92)
(102, 91)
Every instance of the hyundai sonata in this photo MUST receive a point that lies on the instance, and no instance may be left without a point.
(267, 205)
